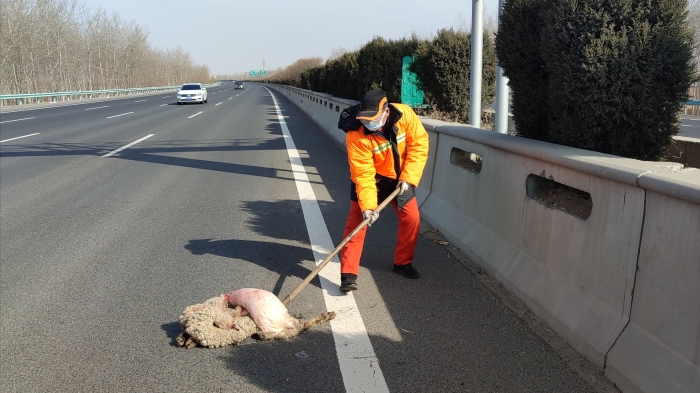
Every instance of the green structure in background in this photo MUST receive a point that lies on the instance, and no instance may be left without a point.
(410, 94)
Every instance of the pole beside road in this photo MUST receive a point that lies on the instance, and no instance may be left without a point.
(502, 91)
(476, 63)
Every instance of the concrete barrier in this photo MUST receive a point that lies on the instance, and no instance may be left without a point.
(426, 182)
(575, 274)
(685, 151)
(618, 279)
(659, 351)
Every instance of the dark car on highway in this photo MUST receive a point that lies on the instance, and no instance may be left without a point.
(238, 85)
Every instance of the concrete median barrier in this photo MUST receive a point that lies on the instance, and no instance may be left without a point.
(659, 351)
(574, 273)
(426, 182)
(685, 151)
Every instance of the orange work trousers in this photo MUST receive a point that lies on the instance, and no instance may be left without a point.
(409, 225)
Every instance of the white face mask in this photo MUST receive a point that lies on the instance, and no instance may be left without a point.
(376, 124)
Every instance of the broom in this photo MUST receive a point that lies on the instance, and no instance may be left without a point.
(342, 244)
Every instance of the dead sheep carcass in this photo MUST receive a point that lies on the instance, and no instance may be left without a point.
(231, 318)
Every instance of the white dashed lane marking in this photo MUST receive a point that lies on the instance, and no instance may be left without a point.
(19, 137)
(124, 147)
(12, 121)
(123, 114)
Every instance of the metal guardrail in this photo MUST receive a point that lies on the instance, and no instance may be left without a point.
(20, 98)
(107, 93)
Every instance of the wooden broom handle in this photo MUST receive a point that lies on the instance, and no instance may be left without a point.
(342, 244)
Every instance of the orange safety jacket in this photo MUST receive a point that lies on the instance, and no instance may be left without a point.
(371, 155)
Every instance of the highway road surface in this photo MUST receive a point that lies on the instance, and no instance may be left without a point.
(690, 127)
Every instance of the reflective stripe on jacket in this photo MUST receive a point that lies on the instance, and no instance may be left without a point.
(372, 153)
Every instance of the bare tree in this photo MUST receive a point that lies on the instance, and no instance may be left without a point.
(490, 24)
(60, 45)
(336, 53)
(292, 73)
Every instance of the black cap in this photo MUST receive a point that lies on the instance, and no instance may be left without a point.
(372, 105)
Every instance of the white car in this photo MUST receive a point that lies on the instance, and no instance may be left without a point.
(192, 92)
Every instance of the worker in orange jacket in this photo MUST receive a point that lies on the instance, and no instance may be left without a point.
(387, 150)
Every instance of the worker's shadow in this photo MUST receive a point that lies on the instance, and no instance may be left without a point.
(287, 253)
(285, 260)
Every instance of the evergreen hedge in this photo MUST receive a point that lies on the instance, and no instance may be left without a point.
(341, 76)
(614, 73)
(443, 68)
(377, 65)
(518, 49)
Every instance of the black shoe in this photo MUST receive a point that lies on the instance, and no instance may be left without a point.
(348, 284)
(407, 271)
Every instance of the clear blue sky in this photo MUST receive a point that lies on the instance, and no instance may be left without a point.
(236, 36)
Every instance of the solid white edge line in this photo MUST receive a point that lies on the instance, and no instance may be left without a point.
(20, 137)
(358, 362)
(127, 113)
(195, 114)
(218, 104)
(97, 107)
(10, 121)
(124, 147)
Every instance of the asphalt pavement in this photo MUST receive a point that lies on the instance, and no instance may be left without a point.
(690, 127)
(115, 215)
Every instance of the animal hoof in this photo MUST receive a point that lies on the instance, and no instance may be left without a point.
(180, 340)
(190, 343)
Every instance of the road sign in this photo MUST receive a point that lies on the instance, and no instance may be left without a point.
(253, 72)
(410, 94)
(262, 72)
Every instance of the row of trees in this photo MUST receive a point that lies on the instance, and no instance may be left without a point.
(60, 45)
(376, 65)
(442, 65)
(292, 74)
(443, 68)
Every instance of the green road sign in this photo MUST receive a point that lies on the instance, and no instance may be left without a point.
(252, 72)
(410, 94)
(262, 72)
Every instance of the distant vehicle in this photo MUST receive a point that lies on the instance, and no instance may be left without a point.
(238, 85)
(192, 92)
